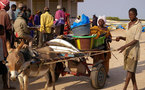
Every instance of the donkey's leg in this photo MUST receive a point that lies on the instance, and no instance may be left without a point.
(21, 82)
(25, 82)
(47, 80)
(52, 70)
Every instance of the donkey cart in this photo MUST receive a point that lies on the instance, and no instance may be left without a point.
(76, 59)
(73, 55)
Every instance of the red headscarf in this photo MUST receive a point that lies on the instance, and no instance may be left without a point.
(3, 3)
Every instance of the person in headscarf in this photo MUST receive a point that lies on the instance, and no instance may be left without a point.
(59, 20)
(102, 30)
(5, 21)
(5, 38)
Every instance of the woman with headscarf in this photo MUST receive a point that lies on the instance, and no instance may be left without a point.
(59, 20)
(5, 37)
(100, 30)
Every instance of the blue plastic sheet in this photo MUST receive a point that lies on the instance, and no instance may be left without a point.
(120, 26)
(143, 29)
(84, 20)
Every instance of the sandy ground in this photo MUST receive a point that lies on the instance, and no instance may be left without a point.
(116, 73)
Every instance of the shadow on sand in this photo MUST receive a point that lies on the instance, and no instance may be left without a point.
(117, 76)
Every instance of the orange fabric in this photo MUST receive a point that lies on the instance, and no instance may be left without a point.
(98, 31)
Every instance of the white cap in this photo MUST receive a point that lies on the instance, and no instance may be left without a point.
(101, 17)
(58, 7)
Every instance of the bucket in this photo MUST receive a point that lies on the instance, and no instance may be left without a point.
(84, 42)
(81, 30)
(99, 41)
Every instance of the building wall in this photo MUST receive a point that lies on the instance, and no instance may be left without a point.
(74, 7)
(40, 4)
(52, 7)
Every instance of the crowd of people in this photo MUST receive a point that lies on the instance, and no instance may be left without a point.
(14, 23)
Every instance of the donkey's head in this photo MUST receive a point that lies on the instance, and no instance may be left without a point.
(15, 60)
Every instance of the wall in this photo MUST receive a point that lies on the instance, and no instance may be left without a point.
(40, 4)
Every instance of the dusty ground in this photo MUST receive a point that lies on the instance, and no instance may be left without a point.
(117, 74)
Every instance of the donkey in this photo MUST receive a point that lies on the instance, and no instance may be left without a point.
(15, 61)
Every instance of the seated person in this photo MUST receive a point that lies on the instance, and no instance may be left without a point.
(21, 30)
(99, 30)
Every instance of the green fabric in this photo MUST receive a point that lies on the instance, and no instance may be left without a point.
(84, 36)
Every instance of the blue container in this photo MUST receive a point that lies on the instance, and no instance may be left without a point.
(81, 30)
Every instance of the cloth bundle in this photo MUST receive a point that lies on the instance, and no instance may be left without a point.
(84, 20)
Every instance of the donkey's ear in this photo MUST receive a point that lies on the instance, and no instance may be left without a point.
(8, 45)
(20, 46)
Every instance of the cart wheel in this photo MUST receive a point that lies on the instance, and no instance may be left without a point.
(98, 76)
